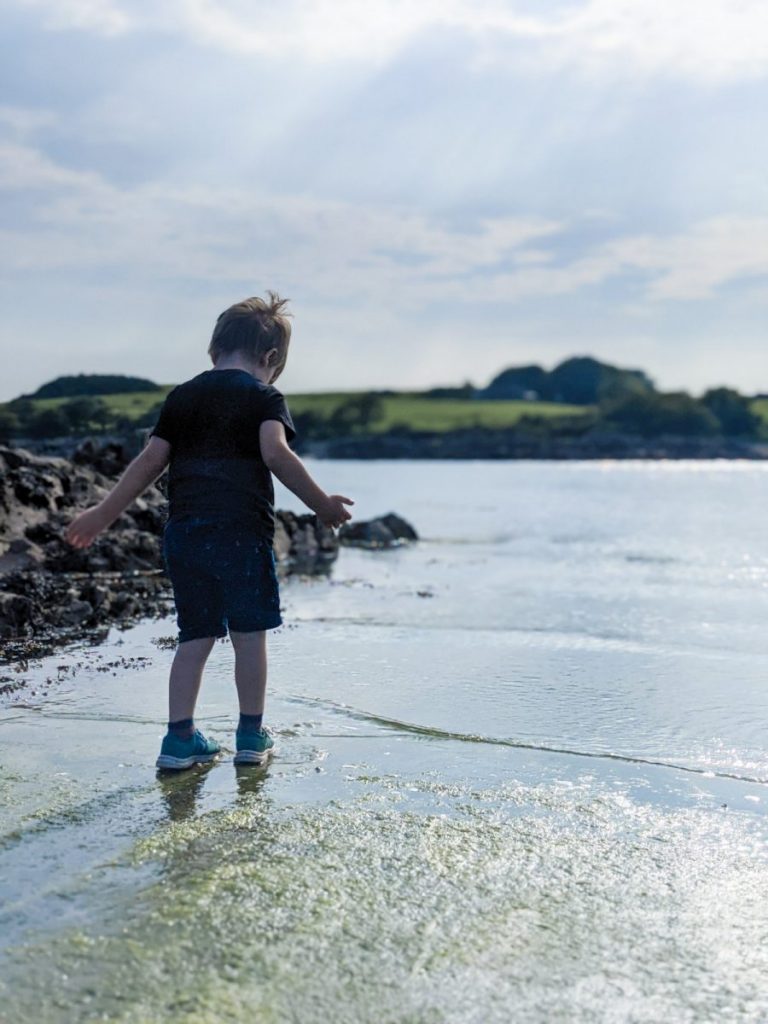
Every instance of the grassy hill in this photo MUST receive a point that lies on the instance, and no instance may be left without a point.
(128, 404)
(420, 413)
(405, 408)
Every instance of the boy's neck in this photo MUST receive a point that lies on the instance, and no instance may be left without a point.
(234, 362)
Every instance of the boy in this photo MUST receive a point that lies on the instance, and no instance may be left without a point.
(222, 434)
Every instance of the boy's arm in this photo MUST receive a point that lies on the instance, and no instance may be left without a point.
(291, 471)
(142, 471)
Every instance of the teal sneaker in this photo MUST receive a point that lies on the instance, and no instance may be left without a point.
(254, 747)
(176, 753)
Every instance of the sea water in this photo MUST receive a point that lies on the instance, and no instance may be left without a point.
(522, 774)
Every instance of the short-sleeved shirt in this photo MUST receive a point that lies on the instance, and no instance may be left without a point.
(212, 424)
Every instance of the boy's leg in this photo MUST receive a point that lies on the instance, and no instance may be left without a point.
(250, 670)
(186, 676)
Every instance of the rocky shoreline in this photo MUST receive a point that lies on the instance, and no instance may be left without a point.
(518, 442)
(486, 443)
(52, 593)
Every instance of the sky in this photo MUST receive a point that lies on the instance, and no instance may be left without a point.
(442, 189)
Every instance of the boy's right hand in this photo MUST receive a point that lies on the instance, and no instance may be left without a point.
(85, 527)
(332, 513)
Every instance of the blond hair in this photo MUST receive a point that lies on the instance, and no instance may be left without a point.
(253, 327)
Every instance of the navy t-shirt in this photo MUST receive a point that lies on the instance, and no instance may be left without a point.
(212, 424)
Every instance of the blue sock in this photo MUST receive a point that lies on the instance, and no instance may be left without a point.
(184, 728)
(249, 723)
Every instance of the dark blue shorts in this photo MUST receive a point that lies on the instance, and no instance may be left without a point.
(223, 575)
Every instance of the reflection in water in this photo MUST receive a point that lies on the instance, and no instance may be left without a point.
(251, 779)
(182, 790)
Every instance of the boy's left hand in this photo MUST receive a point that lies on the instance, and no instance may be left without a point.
(82, 531)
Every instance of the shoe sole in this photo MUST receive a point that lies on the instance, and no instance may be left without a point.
(253, 756)
(177, 763)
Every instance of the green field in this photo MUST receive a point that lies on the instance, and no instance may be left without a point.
(407, 409)
(132, 404)
(436, 413)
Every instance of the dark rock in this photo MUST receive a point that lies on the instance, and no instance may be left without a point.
(25, 546)
(304, 544)
(109, 459)
(15, 612)
(74, 613)
(399, 528)
(95, 594)
(383, 532)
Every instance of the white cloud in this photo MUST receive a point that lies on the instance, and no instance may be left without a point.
(684, 266)
(83, 221)
(363, 251)
(691, 265)
(710, 40)
(102, 16)
(24, 121)
(700, 39)
(24, 168)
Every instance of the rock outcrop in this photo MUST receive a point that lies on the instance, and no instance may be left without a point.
(51, 592)
(512, 443)
(383, 532)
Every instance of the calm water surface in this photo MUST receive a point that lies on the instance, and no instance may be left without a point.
(522, 775)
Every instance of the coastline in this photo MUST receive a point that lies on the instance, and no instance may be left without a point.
(484, 443)
(516, 444)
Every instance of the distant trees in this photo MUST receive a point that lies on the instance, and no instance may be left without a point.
(93, 384)
(627, 400)
(149, 417)
(656, 415)
(581, 380)
(22, 408)
(310, 425)
(353, 415)
(463, 391)
(356, 413)
(81, 413)
(733, 411)
(47, 423)
(611, 399)
(518, 382)
(9, 425)
(721, 411)
(585, 381)
(22, 417)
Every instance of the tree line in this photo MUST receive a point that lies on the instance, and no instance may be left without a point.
(21, 418)
(615, 400)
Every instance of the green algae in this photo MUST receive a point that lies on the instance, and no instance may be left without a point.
(547, 902)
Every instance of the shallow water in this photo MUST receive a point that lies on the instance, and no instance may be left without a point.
(522, 775)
